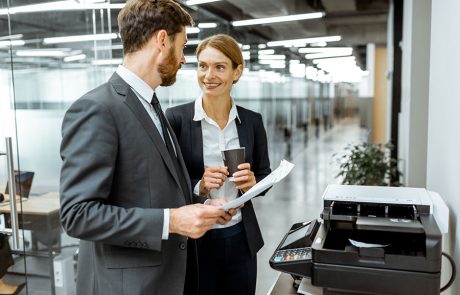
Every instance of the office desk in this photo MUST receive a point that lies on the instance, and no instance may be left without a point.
(46, 204)
(40, 215)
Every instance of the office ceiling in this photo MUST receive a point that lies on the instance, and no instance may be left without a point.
(358, 22)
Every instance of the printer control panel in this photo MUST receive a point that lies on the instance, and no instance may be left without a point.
(292, 255)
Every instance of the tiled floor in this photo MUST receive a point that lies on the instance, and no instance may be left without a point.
(297, 198)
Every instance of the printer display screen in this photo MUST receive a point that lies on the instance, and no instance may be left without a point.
(296, 235)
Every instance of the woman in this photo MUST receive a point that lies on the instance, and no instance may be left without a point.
(226, 254)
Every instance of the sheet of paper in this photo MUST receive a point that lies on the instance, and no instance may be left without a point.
(366, 245)
(278, 174)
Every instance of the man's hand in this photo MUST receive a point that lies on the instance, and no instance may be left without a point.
(230, 213)
(194, 220)
(213, 177)
(244, 179)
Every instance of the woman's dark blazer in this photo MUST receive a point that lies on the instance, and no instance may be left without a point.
(252, 136)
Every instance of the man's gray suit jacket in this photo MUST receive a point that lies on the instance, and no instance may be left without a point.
(116, 179)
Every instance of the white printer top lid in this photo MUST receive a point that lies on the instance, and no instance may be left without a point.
(377, 194)
(391, 195)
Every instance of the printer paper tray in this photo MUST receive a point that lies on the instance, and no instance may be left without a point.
(375, 280)
(389, 224)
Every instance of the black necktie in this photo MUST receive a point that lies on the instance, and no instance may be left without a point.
(169, 145)
(157, 107)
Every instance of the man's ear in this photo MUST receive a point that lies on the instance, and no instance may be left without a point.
(162, 39)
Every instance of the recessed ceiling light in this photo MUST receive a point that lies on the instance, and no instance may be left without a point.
(207, 25)
(79, 38)
(44, 52)
(9, 43)
(327, 54)
(192, 30)
(326, 49)
(197, 2)
(304, 41)
(103, 62)
(74, 57)
(277, 19)
(59, 6)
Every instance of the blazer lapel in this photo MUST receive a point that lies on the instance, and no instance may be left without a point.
(141, 114)
(196, 144)
(243, 135)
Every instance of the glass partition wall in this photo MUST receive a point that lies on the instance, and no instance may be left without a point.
(51, 53)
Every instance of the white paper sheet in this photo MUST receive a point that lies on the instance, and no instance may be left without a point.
(367, 245)
(278, 174)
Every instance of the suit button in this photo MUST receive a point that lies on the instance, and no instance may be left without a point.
(182, 246)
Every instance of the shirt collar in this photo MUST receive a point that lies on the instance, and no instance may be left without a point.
(200, 114)
(141, 88)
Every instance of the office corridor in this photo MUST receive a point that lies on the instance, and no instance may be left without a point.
(298, 197)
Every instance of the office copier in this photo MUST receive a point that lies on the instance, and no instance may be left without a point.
(369, 240)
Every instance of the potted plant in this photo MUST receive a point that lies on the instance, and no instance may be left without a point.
(368, 164)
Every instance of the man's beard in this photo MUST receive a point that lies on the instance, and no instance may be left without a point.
(168, 69)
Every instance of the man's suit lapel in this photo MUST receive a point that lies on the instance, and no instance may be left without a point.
(122, 88)
(181, 161)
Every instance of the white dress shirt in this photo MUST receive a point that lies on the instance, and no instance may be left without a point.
(145, 93)
(215, 140)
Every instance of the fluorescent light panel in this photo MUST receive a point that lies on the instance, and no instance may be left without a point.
(271, 61)
(43, 53)
(266, 51)
(102, 62)
(277, 19)
(197, 2)
(191, 59)
(207, 25)
(79, 38)
(273, 56)
(12, 43)
(192, 30)
(326, 49)
(277, 66)
(193, 42)
(11, 37)
(334, 59)
(58, 6)
(319, 44)
(304, 41)
(74, 57)
(327, 54)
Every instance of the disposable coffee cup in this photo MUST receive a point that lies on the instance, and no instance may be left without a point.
(232, 158)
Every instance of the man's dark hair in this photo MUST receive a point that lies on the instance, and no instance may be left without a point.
(140, 19)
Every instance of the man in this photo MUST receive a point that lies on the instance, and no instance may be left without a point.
(125, 191)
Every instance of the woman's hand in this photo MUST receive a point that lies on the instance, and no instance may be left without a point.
(213, 177)
(221, 202)
(244, 179)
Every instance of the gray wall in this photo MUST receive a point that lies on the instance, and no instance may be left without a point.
(414, 91)
(443, 156)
